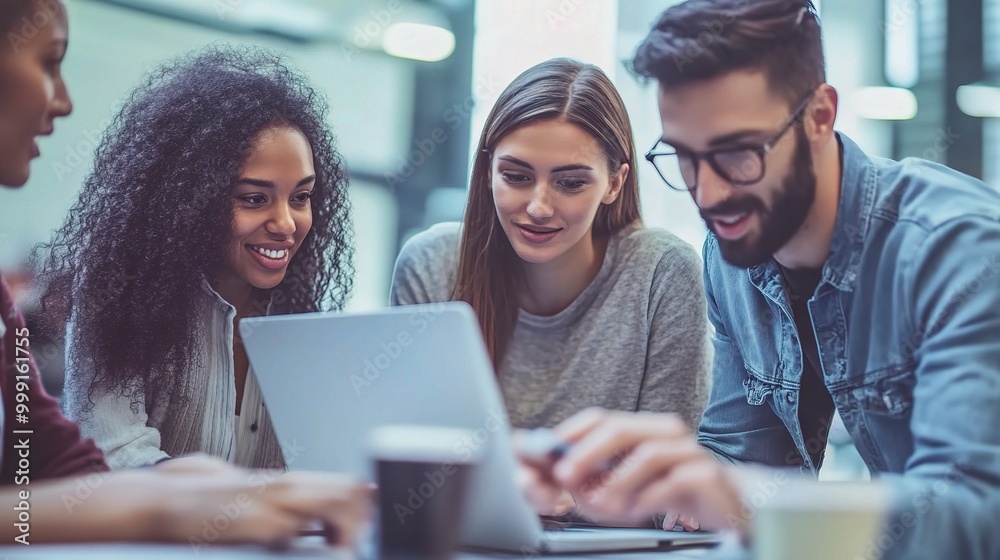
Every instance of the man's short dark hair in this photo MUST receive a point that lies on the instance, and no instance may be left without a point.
(703, 39)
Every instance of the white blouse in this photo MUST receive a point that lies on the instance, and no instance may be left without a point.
(134, 432)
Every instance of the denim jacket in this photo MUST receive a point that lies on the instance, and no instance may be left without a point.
(907, 323)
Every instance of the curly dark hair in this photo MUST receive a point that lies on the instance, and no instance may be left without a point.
(154, 217)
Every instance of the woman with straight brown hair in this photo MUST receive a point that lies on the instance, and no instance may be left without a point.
(579, 304)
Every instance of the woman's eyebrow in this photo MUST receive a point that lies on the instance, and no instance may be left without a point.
(270, 184)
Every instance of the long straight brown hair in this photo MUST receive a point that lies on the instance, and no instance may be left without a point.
(558, 89)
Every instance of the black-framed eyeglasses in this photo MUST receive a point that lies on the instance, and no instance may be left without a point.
(739, 166)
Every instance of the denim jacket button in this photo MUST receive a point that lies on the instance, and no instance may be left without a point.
(790, 398)
(887, 400)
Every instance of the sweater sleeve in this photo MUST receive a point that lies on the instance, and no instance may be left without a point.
(117, 422)
(426, 267)
(678, 355)
(54, 447)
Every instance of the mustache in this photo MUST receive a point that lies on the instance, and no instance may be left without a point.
(734, 205)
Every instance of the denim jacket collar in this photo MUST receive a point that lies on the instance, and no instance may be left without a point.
(858, 186)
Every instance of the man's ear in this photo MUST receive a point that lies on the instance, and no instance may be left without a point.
(617, 182)
(822, 114)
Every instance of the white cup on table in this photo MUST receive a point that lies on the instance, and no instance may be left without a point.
(820, 521)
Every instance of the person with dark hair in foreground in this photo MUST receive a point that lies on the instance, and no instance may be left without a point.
(54, 485)
(216, 194)
(835, 282)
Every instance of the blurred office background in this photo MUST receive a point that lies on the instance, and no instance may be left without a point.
(410, 82)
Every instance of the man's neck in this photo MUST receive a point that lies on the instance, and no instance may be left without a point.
(810, 246)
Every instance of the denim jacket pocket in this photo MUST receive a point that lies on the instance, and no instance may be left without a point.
(757, 389)
(891, 397)
(882, 420)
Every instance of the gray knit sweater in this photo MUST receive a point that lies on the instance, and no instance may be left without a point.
(636, 339)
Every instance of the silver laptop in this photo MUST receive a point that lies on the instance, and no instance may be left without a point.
(329, 379)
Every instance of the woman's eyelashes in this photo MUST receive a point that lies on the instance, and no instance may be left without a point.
(53, 60)
(253, 199)
(256, 200)
(514, 178)
(569, 184)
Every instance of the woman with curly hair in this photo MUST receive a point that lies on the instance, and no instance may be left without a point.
(216, 194)
(175, 501)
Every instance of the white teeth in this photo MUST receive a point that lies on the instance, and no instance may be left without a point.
(731, 219)
(271, 254)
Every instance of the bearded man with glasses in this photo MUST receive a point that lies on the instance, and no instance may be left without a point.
(836, 282)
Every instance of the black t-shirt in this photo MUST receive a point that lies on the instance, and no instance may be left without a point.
(815, 403)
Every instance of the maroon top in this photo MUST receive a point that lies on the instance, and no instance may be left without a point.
(55, 449)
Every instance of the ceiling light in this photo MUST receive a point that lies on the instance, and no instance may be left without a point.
(418, 41)
(979, 100)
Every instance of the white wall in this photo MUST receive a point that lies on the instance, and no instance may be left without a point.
(514, 35)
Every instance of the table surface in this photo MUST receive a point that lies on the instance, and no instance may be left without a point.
(305, 549)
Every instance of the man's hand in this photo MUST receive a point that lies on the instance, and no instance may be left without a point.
(534, 477)
(634, 465)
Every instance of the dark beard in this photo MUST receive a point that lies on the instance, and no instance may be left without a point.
(790, 207)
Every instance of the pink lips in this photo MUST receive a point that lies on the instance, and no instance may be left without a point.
(537, 235)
